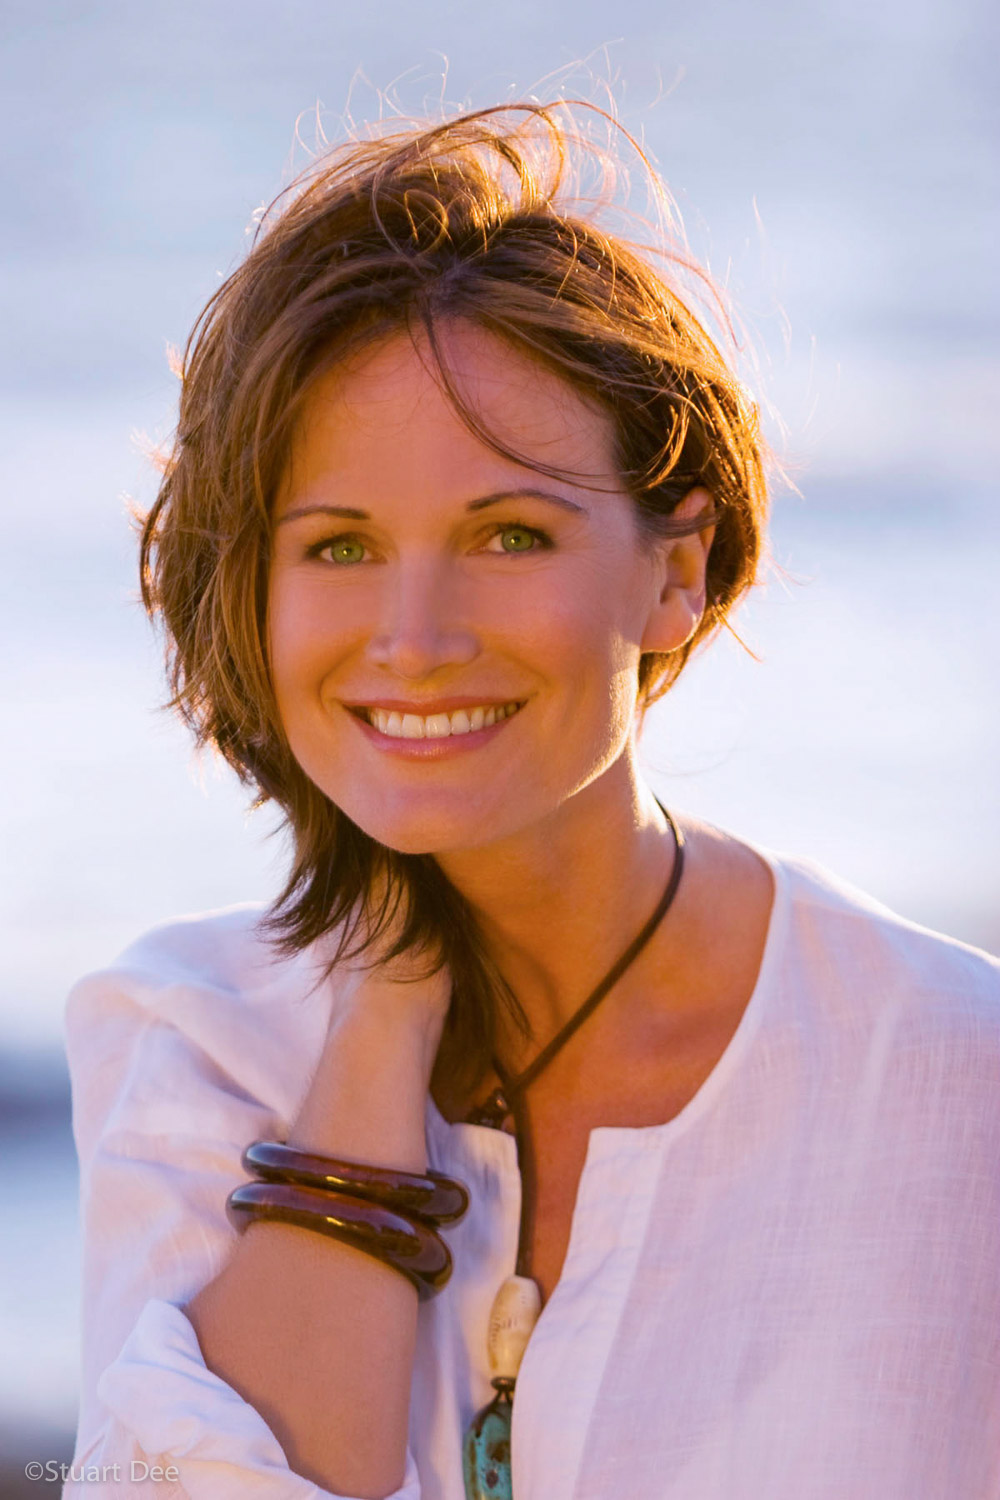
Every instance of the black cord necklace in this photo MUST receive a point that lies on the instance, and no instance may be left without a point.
(486, 1452)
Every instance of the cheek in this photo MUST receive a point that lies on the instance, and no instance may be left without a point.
(591, 649)
(302, 641)
(593, 626)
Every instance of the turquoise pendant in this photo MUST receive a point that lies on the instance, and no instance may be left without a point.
(486, 1451)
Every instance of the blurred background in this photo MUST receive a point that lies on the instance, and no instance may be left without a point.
(835, 165)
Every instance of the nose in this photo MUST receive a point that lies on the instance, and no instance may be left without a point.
(418, 632)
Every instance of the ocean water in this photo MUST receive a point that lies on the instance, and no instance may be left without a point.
(835, 164)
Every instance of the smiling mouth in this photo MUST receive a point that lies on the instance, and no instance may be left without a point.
(396, 725)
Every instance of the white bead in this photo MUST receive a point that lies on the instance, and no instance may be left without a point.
(515, 1312)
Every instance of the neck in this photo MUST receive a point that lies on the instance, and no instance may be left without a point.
(560, 902)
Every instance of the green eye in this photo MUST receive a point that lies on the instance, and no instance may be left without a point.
(344, 545)
(522, 539)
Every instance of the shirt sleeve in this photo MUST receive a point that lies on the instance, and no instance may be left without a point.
(160, 1124)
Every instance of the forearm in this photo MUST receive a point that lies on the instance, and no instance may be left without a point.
(317, 1336)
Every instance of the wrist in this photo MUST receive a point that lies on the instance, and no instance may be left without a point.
(394, 1016)
(368, 1098)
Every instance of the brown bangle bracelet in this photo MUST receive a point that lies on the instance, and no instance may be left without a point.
(407, 1245)
(435, 1198)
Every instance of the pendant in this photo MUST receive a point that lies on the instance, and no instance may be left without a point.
(493, 1112)
(486, 1449)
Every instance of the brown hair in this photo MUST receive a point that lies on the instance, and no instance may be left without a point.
(463, 218)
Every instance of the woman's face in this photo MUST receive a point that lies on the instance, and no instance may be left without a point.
(417, 572)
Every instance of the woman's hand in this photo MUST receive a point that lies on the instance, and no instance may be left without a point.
(367, 1098)
(401, 990)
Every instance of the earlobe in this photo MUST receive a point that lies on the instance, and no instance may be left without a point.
(682, 564)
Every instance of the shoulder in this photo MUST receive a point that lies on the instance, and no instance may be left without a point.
(903, 1014)
(196, 1015)
(835, 928)
(226, 948)
(896, 1029)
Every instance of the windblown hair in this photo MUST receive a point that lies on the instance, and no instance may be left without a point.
(461, 219)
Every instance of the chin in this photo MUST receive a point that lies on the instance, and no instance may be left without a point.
(439, 826)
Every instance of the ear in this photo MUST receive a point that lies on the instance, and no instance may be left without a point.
(680, 565)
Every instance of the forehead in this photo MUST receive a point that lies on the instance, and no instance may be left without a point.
(384, 411)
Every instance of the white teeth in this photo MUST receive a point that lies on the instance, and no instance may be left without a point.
(437, 726)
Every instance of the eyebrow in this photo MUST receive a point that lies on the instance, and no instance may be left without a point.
(351, 514)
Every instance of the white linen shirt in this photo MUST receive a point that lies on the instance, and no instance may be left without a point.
(789, 1291)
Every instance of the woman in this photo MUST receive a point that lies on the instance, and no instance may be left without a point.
(459, 484)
